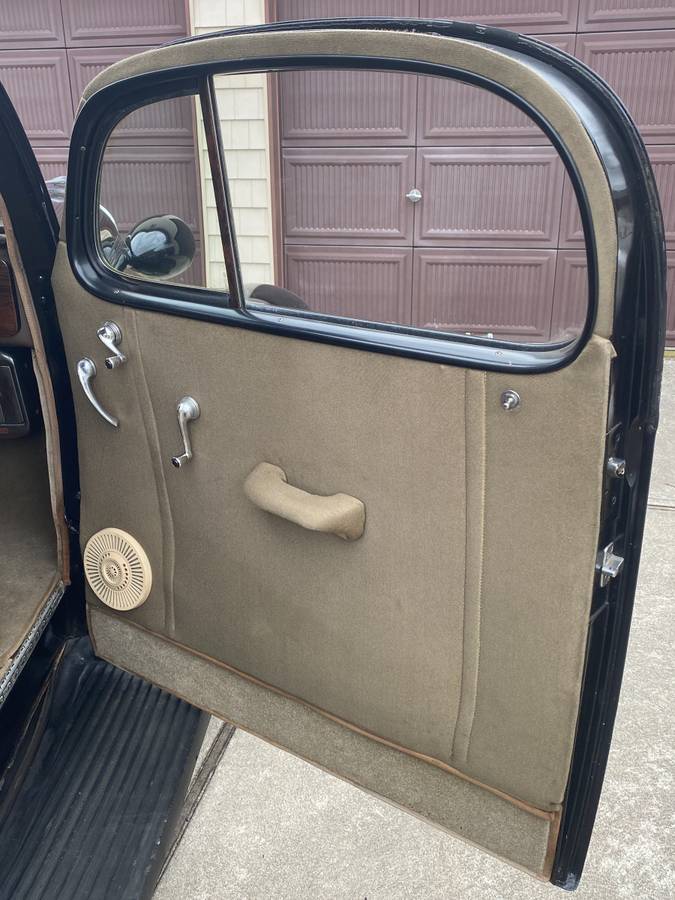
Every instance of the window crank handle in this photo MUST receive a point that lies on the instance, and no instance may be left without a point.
(188, 411)
(110, 336)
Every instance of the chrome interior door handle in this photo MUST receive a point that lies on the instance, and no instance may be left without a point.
(188, 411)
(86, 372)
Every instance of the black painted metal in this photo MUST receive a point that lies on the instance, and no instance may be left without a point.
(89, 806)
(221, 191)
(36, 232)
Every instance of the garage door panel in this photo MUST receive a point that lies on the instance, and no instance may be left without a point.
(571, 232)
(490, 197)
(169, 120)
(663, 163)
(327, 9)
(670, 320)
(53, 161)
(528, 16)
(571, 292)
(348, 195)
(507, 293)
(134, 179)
(570, 298)
(622, 15)
(359, 282)
(38, 86)
(638, 65)
(333, 107)
(451, 112)
(123, 22)
(31, 23)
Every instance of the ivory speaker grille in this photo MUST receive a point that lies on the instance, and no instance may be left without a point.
(117, 569)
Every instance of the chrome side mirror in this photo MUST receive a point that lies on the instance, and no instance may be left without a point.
(160, 247)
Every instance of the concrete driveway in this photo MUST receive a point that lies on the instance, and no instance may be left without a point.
(271, 825)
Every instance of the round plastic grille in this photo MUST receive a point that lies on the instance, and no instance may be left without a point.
(117, 569)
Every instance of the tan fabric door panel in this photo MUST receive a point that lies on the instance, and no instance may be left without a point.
(436, 613)
(370, 631)
(525, 838)
(543, 474)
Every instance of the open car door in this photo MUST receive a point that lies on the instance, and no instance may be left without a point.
(406, 555)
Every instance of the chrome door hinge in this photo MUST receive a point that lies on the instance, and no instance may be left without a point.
(608, 564)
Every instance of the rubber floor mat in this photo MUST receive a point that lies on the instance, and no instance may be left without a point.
(90, 802)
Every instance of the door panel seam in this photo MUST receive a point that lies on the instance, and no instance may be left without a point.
(475, 479)
(154, 446)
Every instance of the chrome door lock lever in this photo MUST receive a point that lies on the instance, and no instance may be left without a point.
(110, 336)
(188, 411)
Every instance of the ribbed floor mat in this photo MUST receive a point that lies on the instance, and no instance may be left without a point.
(89, 805)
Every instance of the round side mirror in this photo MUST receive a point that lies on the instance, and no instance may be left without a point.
(160, 247)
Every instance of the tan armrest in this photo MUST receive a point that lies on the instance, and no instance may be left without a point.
(338, 514)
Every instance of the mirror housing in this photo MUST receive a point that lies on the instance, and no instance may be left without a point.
(160, 247)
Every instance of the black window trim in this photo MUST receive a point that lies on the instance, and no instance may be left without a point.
(221, 191)
(109, 105)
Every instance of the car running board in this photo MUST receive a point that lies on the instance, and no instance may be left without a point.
(90, 802)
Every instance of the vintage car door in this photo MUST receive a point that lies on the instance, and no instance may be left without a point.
(407, 556)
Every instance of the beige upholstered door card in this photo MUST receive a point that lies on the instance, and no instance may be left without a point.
(383, 547)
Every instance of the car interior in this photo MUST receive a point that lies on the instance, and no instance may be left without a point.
(32, 535)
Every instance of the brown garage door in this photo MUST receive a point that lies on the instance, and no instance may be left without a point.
(50, 49)
(509, 262)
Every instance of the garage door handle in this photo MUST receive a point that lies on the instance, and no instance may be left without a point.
(414, 195)
(339, 514)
